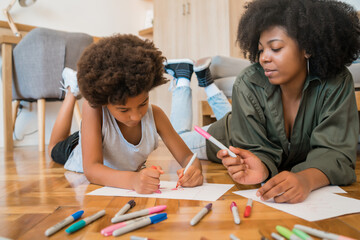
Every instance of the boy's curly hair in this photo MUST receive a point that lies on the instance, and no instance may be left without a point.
(328, 30)
(119, 67)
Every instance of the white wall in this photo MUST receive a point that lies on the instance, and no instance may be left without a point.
(97, 18)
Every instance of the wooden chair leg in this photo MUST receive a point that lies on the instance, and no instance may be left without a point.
(15, 108)
(357, 96)
(77, 113)
(41, 123)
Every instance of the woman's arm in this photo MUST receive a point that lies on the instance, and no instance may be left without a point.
(178, 149)
(145, 181)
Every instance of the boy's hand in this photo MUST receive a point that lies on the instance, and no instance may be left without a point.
(147, 180)
(246, 168)
(193, 177)
(285, 187)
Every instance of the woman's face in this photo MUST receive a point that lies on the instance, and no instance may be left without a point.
(132, 112)
(282, 60)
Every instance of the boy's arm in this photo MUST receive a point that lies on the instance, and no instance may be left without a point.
(178, 148)
(95, 171)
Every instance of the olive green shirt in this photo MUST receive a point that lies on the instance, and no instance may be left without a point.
(324, 134)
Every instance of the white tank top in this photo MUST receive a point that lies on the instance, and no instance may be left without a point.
(118, 153)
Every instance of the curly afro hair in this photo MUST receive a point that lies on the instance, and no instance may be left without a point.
(119, 67)
(328, 30)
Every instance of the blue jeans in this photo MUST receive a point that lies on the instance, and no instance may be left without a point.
(181, 117)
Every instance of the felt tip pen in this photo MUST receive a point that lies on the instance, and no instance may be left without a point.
(287, 233)
(140, 213)
(301, 234)
(235, 212)
(126, 208)
(321, 234)
(213, 140)
(277, 236)
(188, 165)
(139, 238)
(139, 224)
(110, 229)
(233, 237)
(82, 223)
(248, 208)
(200, 214)
(50, 231)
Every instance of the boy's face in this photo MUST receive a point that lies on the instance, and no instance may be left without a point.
(132, 112)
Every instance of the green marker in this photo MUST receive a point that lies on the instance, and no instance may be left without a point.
(287, 233)
(82, 223)
(301, 234)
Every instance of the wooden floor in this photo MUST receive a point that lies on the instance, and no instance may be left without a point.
(36, 193)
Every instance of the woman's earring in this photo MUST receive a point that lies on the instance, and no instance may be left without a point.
(308, 66)
(307, 56)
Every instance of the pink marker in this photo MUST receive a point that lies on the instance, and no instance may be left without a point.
(109, 230)
(235, 212)
(140, 213)
(213, 140)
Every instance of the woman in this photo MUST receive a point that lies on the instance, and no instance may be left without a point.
(294, 121)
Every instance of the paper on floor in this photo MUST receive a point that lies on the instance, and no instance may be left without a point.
(206, 192)
(320, 204)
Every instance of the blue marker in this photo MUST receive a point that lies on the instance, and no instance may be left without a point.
(139, 224)
(50, 231)
(82, 223)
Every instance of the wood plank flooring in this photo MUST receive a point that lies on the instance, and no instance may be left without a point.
(36, 193)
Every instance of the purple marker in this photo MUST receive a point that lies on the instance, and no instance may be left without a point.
(126, 208)
(200, 214)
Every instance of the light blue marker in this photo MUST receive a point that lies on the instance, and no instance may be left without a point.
(50, 231)
(82, 223)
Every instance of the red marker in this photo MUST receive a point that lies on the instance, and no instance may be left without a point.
(248, 208)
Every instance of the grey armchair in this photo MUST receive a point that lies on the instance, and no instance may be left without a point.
(39, 60)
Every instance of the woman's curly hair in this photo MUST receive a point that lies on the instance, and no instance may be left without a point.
(119, 67)
(328, 30)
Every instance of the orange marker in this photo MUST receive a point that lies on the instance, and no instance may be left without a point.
(161, 172)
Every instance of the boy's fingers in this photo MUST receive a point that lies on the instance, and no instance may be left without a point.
(189, 178)
(158, 168)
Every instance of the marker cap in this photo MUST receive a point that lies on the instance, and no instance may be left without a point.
(78, 214)
(157, 209)
(158, 217)
(76, 226)
(202, 132)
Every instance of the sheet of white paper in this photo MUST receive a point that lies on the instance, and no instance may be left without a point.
(320, 204)
(206, 192)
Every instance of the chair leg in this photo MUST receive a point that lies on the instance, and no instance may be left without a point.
(41, 123)
(77, 113)
(15, 108)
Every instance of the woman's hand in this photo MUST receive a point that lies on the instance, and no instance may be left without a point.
(246, 168)
(147, 181)
(193, 177)
(285, 187)
(292, 187)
